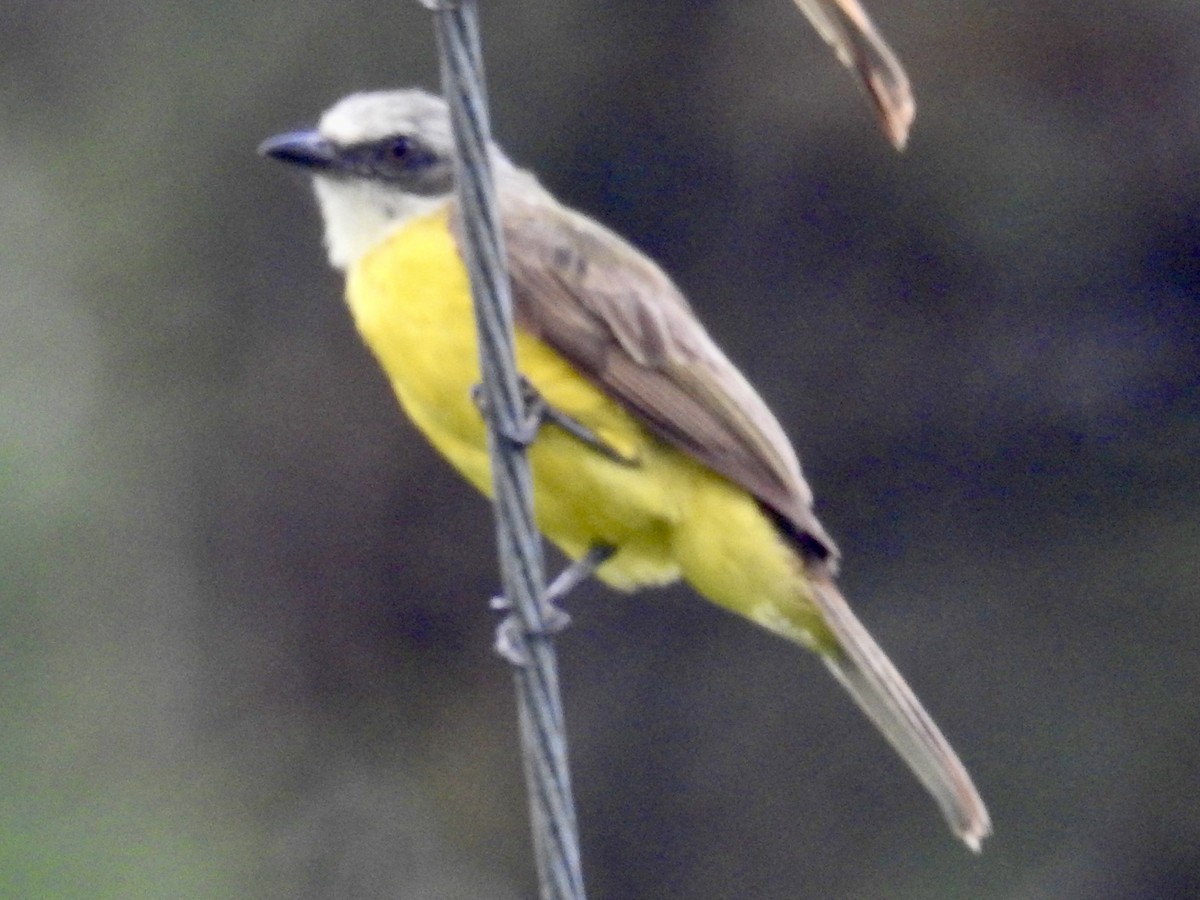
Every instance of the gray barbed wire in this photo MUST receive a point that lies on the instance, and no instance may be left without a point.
(543, 738)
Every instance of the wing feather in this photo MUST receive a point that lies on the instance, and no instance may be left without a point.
(619, 319)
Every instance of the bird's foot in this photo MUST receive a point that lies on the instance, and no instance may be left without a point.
(539, 412)
(512, 638)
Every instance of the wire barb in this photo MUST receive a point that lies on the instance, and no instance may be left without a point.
(543, 740)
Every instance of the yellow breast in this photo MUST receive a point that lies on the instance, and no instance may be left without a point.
(411, 301)
(668, 515)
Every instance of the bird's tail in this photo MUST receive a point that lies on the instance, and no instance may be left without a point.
(866, 672)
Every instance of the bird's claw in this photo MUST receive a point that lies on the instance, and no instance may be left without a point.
(538, 413)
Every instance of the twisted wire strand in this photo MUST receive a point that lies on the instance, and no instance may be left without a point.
(543, 739)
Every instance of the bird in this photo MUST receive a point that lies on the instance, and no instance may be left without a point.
(657, 460)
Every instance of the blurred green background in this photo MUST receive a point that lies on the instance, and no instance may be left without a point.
(244, 642)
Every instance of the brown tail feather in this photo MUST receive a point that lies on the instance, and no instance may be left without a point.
(866, 672)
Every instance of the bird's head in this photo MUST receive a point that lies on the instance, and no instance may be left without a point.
(377, 160)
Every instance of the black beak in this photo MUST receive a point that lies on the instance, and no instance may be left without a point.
(306, 149)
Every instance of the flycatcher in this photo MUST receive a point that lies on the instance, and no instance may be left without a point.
(657, 460)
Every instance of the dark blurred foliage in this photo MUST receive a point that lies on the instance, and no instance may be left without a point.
(244, 641)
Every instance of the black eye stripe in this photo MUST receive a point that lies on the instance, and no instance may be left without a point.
(398, 149)
(390, 157)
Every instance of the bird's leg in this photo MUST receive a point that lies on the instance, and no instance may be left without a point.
(510, 636)
(577, 573)
(538, 413)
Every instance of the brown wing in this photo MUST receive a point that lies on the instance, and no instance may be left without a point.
(619, 319)
(624, 325)
(846, 27)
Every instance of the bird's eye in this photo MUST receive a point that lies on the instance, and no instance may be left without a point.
(394, 158)
(397, 149)
(398, 154)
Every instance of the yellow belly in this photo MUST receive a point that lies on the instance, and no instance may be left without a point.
(668, 516)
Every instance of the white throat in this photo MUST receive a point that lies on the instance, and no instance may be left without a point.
(359, 215)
